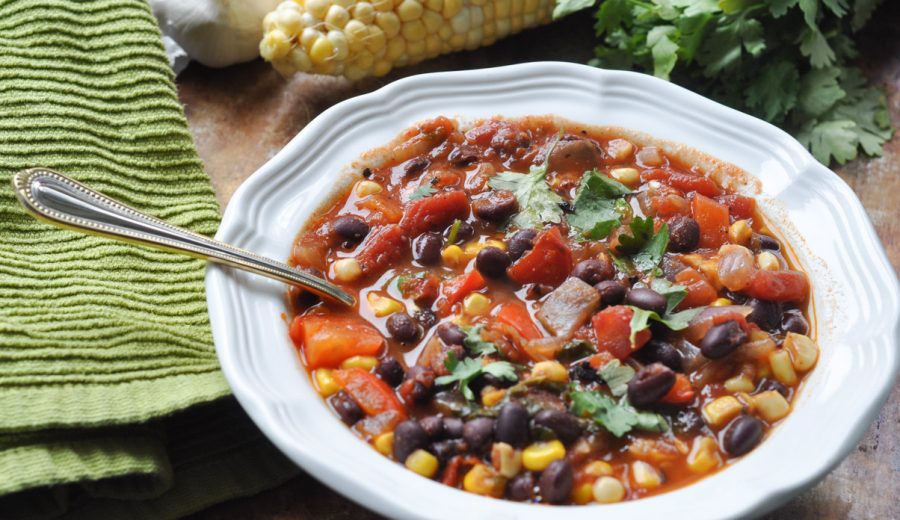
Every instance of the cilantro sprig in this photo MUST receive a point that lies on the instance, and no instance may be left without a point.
(598, 205)
(644, 248)
(786, 61)
(466, 370)
(422, 192)
(674, 295)
(617, 417)
(538, 204)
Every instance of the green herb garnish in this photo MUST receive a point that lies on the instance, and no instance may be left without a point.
(597, 210)
(422, 192)
(618, 418)
(538, 204)
(475, 344)
(465, 371)
(643, 248)
(616, 376)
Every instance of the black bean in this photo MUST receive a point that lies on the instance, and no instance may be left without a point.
(346, 408)
(415, 166)
(742, 435)
(765, 313)
(451, 333)
(492, 262)
(511, 426)
(563, 424)
(767, 242)
(585, 373)
(793, 321)
(611, 293)
(594, 270)
(423, 383)
(453, 427)
(390, 371)
(402, 327)
(496, 207)
(684, 234)
(663, 352)
(433, 426)
(408, 437)
(722, 339)
(447, 449)
(427, 248)
(484, 380)
(463, 155)
(463, 233)
(350, 228)
(521, 487)
(650, 384)
(426, 318)
(478, 433)
(557, 481)
(647, 299)
(770, 384)
(521, 241)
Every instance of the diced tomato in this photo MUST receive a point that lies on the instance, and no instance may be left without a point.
(612, 326)
(781, 286)
(600, 359)
(670, 205)
(435, 213)
(422, 290)
(382, 210)
(382, 248)
(482, 134)
(456, 289)
(713, 220)
(373, 395)
(683, 181)
(682, 392)
(326, 341)
(739, 206)
(699, 290)
(549, 262)
(516, 316)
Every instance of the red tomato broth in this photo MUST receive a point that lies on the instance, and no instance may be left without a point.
(521, 144)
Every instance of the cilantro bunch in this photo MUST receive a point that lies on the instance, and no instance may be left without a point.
(785, 61)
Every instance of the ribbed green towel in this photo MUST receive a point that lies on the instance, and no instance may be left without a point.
(111, 401)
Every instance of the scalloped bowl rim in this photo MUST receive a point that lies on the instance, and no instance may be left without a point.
(855, 289)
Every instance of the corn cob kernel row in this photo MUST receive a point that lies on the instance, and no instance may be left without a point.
(364, 38)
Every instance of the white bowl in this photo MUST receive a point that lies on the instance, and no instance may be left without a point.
(855, 289)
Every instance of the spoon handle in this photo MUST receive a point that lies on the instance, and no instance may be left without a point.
(57, 199)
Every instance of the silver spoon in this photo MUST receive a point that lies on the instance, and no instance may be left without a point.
(52, 197)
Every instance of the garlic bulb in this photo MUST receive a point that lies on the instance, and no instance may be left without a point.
(217, 33)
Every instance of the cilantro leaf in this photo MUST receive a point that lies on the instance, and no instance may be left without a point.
(618, 418)
(673, 293)
(475, 344)
(422, 192)
(644, 247)
(538, 204)
(774, 92)
(819, 91)
(465, 371)
(596, 210)
(663, 49)
(677, 321)
(830, 138)
(616, 376)
(567, 7)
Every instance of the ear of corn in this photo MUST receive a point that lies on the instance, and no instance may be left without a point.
(369, 38)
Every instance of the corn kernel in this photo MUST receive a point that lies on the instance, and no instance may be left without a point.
(472, 248)
(376, 40)
(414, 31)
(476, 304)
(409, 10)
(384, 444)
(771, 405)
(598, 468)
(721, 410)
(422, 462)
(740, 232)
(317, 8)
(389, 23)
(483, 480)
(366, 188)
(346, 269)
(583, 494)
(326, 383)
(627, 176)
(739, 383)
(619, 149)
(337, 17)
(537, 456)
(551, 371)
(452, 255)
(381, 68)
(490, 396)
(363, 11)
(782, 368)
(382, 306)
(767, 261)
(383, 5)
(608, 490)
(644, 475)
(704, 456)
(505, 459)
(363, 362)
(321, 51)
(721, 302)
(804, 351)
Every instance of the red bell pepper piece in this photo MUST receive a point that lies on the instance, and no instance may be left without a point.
(713, 220)
(699, 290)
(683, 181)
(456, 289)
(549, 261)
(373, 395)
(516, 316)
(682, 392)
(326, 341)
(739, 206)
(382, 248)
(435, 213)
(781, 286)
(612, 326)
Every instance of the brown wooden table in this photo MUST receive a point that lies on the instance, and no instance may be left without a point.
(241, 116)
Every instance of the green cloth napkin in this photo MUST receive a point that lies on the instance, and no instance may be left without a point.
(112, 404)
